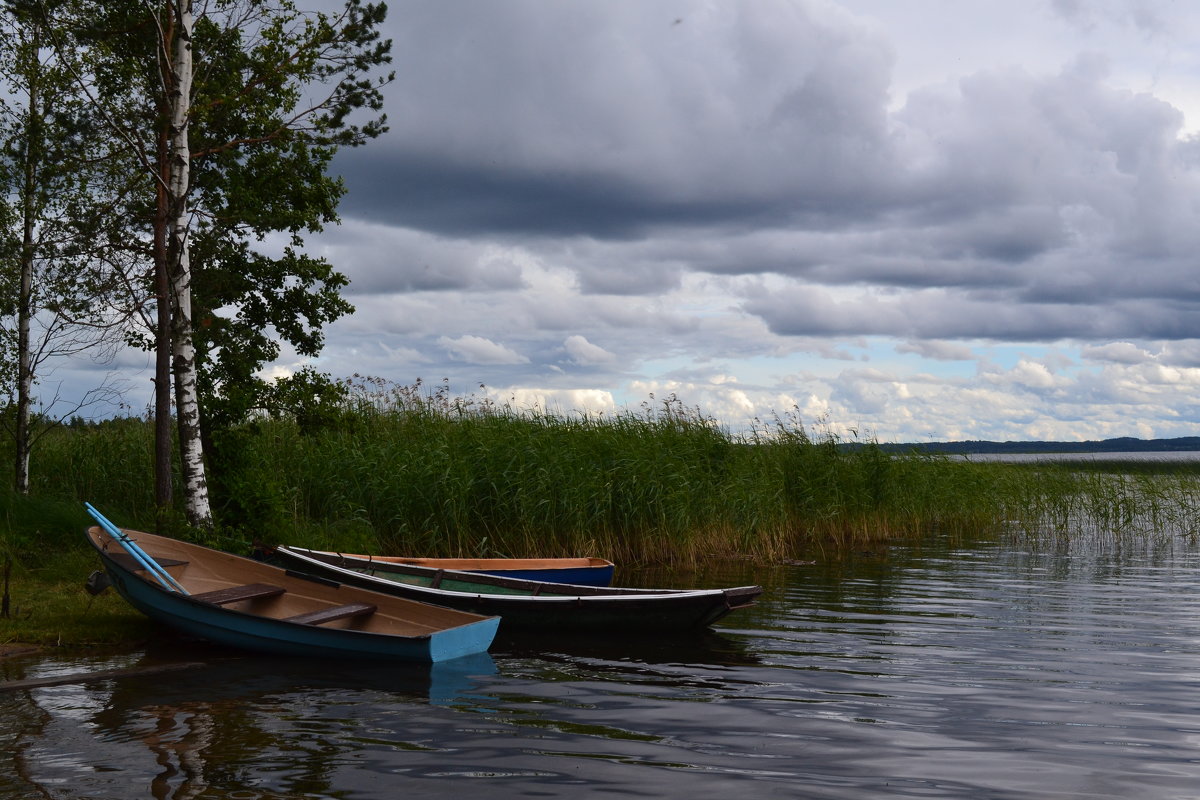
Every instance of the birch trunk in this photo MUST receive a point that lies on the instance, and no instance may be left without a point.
(24, 317)
(33, 155)
(183, 351)
(24, 357)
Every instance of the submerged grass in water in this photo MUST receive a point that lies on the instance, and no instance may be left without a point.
(1069, 500)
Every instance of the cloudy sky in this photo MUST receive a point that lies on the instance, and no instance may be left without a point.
(917, 219)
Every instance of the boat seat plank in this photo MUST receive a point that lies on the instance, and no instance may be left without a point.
(232, 594)
(130, 563)
(335, 612)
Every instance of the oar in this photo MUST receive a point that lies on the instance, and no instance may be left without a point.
(139, 555)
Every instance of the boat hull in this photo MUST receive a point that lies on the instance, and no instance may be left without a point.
(532, 605)
(261, 626)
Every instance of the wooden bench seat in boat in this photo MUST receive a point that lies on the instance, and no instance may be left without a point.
(129, 562)
(330, 614)
(232, 594)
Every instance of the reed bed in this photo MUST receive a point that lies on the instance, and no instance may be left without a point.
(1067, 500)
(432, 474)
(401, 469)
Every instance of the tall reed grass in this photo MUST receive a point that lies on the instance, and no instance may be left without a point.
(402, 469)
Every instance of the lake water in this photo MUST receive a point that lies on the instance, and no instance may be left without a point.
(945, 670)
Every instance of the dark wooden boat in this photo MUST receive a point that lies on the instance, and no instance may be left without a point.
(529, 605)
(582, 571)
(252, 605)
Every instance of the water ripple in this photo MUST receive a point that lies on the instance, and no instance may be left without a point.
(991, 671)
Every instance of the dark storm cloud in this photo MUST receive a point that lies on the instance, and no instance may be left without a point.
(381, 260)
(463, 198)
(614, 193)
(609, 119)
(763, 128)
(1045, 207)
(939, 314)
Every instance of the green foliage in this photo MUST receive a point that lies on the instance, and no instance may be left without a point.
(263, 139)
(33, 529)
(111, 460)
(60, 279)
(277, 91)
(56, 166)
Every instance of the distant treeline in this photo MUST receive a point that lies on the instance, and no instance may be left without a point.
(1124, 444)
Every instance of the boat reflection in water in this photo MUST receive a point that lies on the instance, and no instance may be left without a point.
(229, 725)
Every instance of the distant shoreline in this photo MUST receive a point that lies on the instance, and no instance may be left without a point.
(1126, 456)
(1115, 448)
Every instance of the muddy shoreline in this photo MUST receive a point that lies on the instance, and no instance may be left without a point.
(10, 650)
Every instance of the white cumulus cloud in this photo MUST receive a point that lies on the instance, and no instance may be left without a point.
(478, 350)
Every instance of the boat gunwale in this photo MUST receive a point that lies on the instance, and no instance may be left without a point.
(490, 564)
(557, 596)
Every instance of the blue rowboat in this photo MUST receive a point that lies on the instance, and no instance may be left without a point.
(530, 605)
(248, 604)
(579, 571)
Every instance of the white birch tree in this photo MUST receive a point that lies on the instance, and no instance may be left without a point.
(58, 307)
(231, 114)
(187, 402)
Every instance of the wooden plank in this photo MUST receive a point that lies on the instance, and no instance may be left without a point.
(251, 591)
(130, 563)
(330, 614)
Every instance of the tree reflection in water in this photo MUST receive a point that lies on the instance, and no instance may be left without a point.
(24, 722)
(180, 736)
(222, 730)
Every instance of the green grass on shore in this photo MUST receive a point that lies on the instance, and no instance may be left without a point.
(47, 605)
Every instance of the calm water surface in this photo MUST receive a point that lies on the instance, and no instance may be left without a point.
(940, 671)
